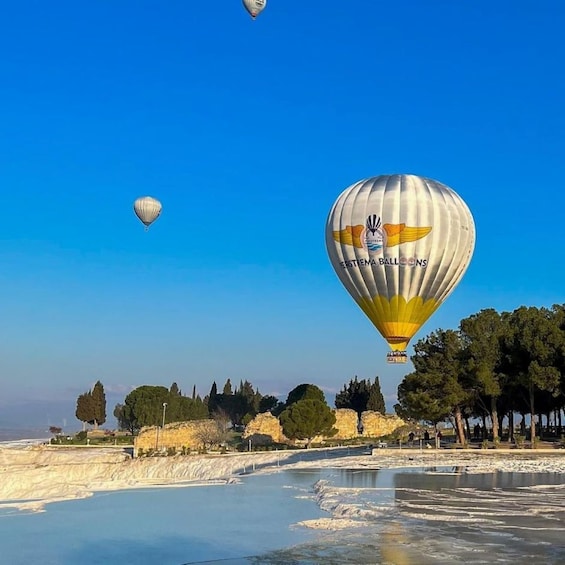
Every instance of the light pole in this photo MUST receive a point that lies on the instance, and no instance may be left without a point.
(157, 441)
(164, 408)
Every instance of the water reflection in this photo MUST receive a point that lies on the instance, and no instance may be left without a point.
(440, 514)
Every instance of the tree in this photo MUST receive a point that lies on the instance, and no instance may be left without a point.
(494, 366)
(482, 334)
(120, 415)
(227, 388)
(143, 406)
(354, 396)
(434, 391)
(376, 401)
(85, 411)
(55, 430)
(187, 409)
(305, 419)
(534, 344)
(99, 405)
(222, 418)
(305, 392)
(210, 433)
(213, 398)
(267, 403)
(360, 396)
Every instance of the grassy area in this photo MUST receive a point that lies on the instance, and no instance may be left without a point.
(98, 440)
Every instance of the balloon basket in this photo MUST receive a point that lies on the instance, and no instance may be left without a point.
(396, 357)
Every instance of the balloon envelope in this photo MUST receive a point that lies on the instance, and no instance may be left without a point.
(400, 244)
(254, 7)
(147, 209)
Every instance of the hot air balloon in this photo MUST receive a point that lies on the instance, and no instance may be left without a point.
(399, 244)
(254, 7)
(147, 209)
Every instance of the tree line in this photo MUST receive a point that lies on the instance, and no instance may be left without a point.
(494, 366)
(304, 415)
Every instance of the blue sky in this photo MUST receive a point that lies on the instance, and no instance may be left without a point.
(247, 131)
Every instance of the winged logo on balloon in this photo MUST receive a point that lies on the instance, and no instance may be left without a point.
(375, 235)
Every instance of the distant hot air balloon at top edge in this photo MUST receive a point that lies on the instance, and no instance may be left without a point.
(399, 244)
(147, 209)
(254, 7)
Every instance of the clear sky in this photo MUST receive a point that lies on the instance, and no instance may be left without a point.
(247, 131)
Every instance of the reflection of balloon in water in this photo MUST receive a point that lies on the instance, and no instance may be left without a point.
(254, 7)
(399, 244)
(147, 209)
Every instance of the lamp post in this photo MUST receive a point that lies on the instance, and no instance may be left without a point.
(163, 425)
(157, 441)
(164, 409)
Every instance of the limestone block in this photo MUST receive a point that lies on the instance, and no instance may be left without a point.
(346, 422)
(264, 429)
(376, 424)
(177, 435)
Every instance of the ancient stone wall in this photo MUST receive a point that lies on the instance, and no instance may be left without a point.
(264, 429)
(346, 422)
(177, 435)
(377, 425)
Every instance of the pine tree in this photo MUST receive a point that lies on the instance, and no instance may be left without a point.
(227, 388)
(213, 398)
(85, 409)
(99, 405)
(354, 396)
(376, 399)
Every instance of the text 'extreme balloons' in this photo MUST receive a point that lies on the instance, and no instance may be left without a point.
(254, 7)
(147, 209)
(399, 244)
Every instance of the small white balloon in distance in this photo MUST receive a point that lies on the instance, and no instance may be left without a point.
(254, 7)
(147, 209)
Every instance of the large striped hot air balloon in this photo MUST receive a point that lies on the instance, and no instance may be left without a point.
(147, 209)
(400, 244)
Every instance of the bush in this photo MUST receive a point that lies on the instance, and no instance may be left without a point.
(81, 436)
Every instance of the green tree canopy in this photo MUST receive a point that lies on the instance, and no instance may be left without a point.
(99, 405)
(434, 391)
(85, 411)
(143, 406)
(305, 392)
(534, 345)
(267, 403)
(376, 401)
(305, 419)
(361, 396)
